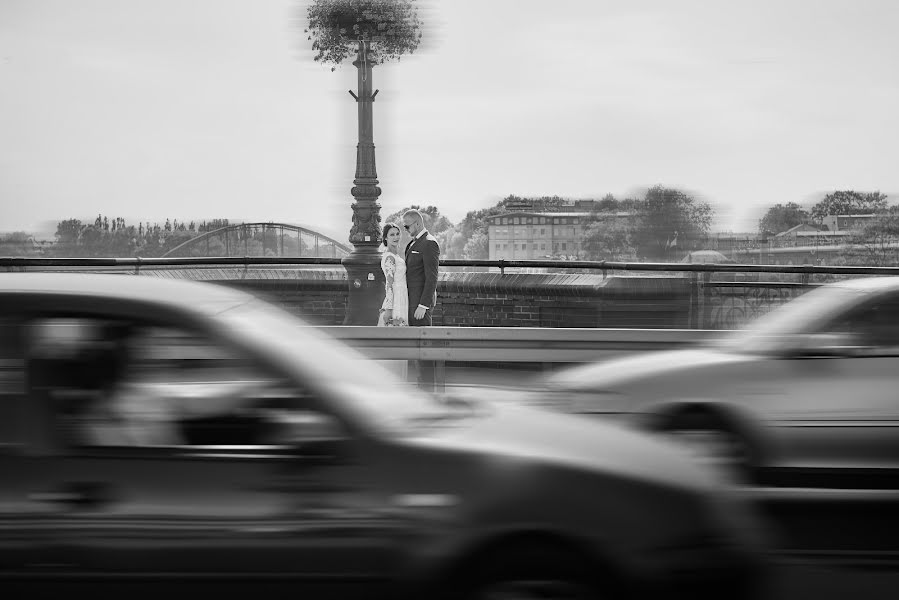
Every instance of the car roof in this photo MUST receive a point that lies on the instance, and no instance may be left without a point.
(871, 284)
(170, 292)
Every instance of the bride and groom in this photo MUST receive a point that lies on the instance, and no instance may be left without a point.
(411, 279)
(410, 283)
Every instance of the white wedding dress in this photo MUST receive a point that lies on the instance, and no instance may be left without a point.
(395, 309)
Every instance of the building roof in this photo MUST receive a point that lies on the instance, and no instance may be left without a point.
(557, 214)
(822, 233)
(866, 216)
(797, 229)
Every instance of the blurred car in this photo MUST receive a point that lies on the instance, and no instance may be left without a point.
(806, 394)
(162, 431)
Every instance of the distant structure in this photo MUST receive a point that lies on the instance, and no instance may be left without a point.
(261, 239)
(525, 234)
(845, 223)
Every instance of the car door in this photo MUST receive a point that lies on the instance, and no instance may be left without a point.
(179, 476)
(28, 545)
(836, 404)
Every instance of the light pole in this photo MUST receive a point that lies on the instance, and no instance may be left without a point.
(363, 264)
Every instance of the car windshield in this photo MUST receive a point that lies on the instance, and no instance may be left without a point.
(364, 387)
(769, 332)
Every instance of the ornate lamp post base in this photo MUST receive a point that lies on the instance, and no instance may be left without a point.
(366, 286)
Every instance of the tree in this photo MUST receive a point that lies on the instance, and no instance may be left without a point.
(475, 223)
(876, 244)
(608, 203)
(68, 232)
(435, 222)
(608, 238)
(452, 243)
(669, 220)
(335, 28)
(18, 243)
(782, 217)
(849, 202)
(477, 246)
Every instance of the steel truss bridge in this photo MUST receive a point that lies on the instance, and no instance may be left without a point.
(261, 239)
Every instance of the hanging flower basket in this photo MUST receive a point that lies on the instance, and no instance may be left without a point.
(336, 27)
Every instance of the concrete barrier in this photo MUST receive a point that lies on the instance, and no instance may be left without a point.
(495, 354)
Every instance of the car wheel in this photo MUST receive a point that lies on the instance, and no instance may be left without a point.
(713, 441)
(530, 574)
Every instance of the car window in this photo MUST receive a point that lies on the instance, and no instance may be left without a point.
(12, 383)
(804, 314)
(874, 325)
(124, 384)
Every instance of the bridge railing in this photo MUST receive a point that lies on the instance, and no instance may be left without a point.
(721, 296)
(601, 266)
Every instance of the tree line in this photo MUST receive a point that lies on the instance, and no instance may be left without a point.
(105, 237)
(781, 217)
(875, 243)
(664, 222)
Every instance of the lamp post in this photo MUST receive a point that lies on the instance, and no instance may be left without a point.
(363, 264)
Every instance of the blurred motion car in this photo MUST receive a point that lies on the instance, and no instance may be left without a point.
(161, 431)
(805, 395)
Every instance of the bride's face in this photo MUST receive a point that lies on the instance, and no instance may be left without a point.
(393, 239)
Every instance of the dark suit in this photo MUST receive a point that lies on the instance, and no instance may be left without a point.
(422, 262)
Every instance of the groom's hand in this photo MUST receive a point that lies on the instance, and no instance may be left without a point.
(420, 313)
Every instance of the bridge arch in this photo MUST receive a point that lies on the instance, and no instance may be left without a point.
(261, 239)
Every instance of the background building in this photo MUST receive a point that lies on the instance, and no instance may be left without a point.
(534, 235)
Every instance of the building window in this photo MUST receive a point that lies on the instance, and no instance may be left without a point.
(556, 221)
(515, 221)
(533, 246)
(530, 220)
(498, 246)
(524, 246)
(543, 246)
(564, 246)
(505, 246)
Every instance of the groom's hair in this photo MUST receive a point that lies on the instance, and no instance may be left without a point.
(387, 229)
(416, 215)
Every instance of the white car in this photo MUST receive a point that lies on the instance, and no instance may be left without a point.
(807, 394)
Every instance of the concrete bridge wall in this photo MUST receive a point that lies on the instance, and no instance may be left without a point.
(479, 299)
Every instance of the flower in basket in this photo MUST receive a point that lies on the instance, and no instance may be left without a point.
(336, 27)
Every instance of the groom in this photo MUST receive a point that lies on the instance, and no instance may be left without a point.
(422, 265)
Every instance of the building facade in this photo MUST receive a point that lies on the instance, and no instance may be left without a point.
(536, 235)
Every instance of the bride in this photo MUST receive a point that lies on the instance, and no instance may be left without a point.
(395, 309)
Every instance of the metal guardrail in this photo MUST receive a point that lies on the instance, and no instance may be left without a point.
(511, 344)
(501, 349)
(137, 263)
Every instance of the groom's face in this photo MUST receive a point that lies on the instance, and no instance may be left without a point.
(411, 226)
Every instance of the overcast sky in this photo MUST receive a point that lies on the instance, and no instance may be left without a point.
(196, 109)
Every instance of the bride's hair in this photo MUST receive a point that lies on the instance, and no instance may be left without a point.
(387, 229)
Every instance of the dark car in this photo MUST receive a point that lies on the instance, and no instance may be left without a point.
(170, 432)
